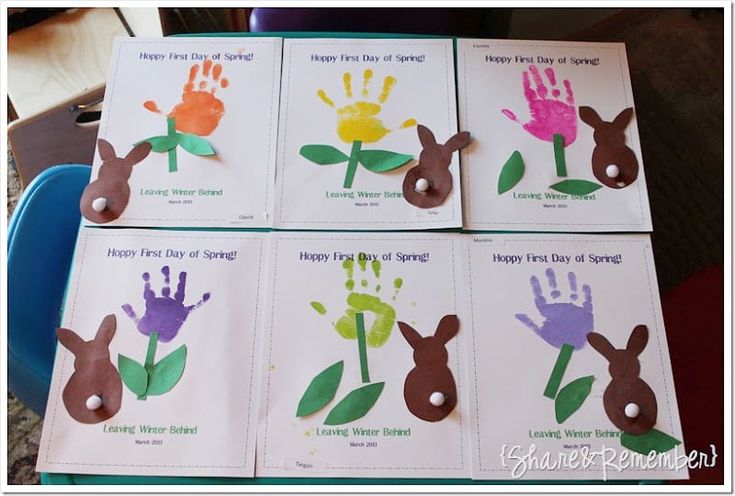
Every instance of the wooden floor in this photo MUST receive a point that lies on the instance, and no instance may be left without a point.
(676, 61)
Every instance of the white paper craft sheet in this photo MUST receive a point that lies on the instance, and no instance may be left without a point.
(491, 90)
(512, 418)
(206, 424)
(308, 296)
(149, 78)
(394, 83)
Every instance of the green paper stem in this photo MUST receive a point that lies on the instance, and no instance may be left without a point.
(150, 358)
(557, 373)
(172, 164)
(362, 347)
(561, 164)
(352, 164)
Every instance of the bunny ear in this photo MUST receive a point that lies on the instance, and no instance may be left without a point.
(458, 141)
(413, 337)
(638, 340)
(106, 330)
(623, 118)
(448, 328)
(601, 344)
(588, 115)
(70, 340)
(426, 137)
(107, 152)
(138, 153)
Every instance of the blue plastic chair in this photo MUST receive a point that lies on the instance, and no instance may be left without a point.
(41, 237)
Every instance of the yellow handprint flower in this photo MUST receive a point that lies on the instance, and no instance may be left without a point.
(358, 123)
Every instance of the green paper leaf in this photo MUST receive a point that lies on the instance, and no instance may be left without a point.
(166, 373)
(323, 154)
(577, 187)
(133, 374)
(571, 397)
(382, 160)
(511, 173)
(321, 390)
(194, 144)
(160, 143)
(355, 405)
(653, 440)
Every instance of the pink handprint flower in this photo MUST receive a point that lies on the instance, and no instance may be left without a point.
(553, 119)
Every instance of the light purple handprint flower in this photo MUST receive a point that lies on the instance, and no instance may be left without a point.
(564, 322)
(549, 114)
(163, 314)
(565, 325)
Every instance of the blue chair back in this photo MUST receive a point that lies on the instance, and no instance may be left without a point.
(41, 237)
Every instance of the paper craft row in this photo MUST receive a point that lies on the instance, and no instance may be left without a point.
(363, 134)
(429, 355)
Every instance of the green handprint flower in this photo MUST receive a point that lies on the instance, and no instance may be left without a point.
(352, 325)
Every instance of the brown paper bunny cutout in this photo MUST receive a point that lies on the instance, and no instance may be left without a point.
(431, 374)
(94, 374)
(626, 386)
(610, 148)
(433, 167)
(105, 198)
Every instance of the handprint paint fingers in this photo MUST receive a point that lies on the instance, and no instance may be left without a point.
(206, 66)
(181, 288)
(131, 313)
(551, 76)
(528, 92)
(587, 305)
(573, 285)
(540, 87)
(205, 298)
(528, 322)
(538, 293)
(555, 293)
(388, 83)
(166, 289)
(148, 293)
(189, 85)
(570, 93)
(366, 77)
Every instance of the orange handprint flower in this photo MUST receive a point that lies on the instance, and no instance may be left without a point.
(198, 113)
(358, 123)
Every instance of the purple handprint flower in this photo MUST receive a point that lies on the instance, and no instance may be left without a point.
(565, 325)
(564, 322)
(161, 321)
(163, 314)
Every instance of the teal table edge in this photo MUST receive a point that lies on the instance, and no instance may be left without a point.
(83, 479)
